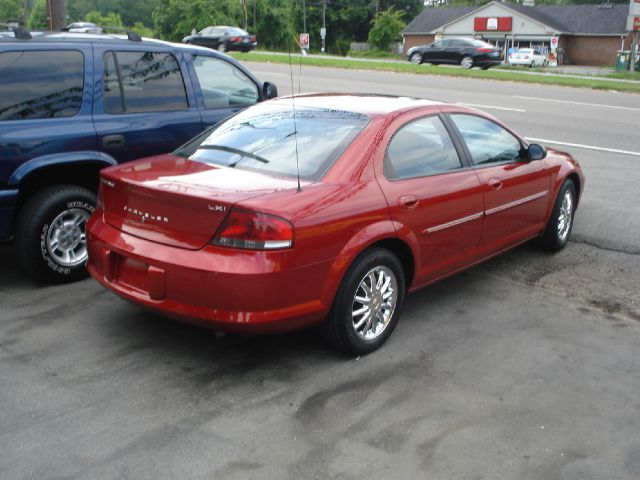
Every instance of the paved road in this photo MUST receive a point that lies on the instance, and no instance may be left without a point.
(526, 367)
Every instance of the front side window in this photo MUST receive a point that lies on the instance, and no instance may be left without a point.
(35, 84)
(422, 147)
(487, 141)
(222, 84)
(266, 139)
(140, 82)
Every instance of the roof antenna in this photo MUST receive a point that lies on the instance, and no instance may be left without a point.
(293, 106)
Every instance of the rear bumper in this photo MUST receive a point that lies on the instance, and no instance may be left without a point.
(487, 62)
(230, 290)
(8, 201)
(242, 46)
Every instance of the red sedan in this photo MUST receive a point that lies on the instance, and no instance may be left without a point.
(328, 216)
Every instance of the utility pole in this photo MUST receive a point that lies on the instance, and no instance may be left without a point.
(57, 11)
(324, 24)
(304, 16)
(634, 55)
(254, 15)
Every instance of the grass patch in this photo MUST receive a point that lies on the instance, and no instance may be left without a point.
(500, 75)
(374, 54)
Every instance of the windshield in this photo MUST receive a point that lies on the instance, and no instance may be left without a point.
(266, 138)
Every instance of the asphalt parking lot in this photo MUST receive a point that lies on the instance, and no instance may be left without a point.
(525, 367)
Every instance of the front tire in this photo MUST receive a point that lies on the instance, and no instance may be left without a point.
(466, 62)
(50, 239)
(416, 58)
(558, 229)
(368, 303)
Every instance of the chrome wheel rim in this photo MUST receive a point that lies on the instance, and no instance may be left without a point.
(67, 237)
(467, 62)
(416, 58)
(374, 303)
(566, 216)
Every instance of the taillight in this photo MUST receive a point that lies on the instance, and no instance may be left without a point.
(484, 50)
(254, 231)
(235, 39)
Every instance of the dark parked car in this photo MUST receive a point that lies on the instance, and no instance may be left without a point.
(223, 39)
(73, 103)
(465, 52)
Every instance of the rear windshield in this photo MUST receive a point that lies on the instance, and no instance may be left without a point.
(265, 139)
(236, 31)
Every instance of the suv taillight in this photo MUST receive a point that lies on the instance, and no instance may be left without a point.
(254, 231)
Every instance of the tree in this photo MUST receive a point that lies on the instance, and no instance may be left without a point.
(386, 28)
(10, 10)
(38, 19)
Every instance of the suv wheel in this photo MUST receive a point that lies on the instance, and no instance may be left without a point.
(50, 236)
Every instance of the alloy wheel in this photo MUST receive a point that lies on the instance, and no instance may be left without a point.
(374, 303)
(66, 239)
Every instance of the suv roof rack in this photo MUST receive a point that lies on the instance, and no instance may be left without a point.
(131, 35)
(21, 33)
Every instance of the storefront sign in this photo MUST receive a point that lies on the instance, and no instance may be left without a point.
(493, 24)
(633, 24)
(634, 8)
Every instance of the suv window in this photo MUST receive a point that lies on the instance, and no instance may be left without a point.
(487, 141)
(39, 84)
(222, 84)
(136, 82)
(422, 147)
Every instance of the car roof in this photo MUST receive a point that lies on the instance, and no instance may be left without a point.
(364, 104)
(76, 37)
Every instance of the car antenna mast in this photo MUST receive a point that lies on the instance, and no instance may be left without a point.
(293, 107)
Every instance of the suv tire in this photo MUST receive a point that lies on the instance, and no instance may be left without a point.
(50, 238)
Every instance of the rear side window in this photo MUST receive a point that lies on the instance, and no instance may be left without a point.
(487, 141)
(140, 82)
(36, 84)
(422, 147)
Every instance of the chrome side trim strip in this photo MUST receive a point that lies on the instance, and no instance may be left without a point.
(453, 223)
(515, 203)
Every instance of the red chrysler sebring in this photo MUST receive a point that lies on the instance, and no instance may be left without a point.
(324, 212)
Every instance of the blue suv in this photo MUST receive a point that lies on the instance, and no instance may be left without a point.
(73, 103)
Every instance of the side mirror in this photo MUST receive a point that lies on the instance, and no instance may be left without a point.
(269, 90)
(536, 152)
(193, 32)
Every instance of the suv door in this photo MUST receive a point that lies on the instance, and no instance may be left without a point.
(221, 88)
(144, 106)
(45, 103)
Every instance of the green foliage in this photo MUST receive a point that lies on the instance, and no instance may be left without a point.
(273, 23)
(386, 28)
(10, 10)
(109, 20)
(177, 18)
(38, 16)
(374, 54)
(130, 11)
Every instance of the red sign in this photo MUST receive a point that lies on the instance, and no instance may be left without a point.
(492, 24)
(304, 40)
(636, 24)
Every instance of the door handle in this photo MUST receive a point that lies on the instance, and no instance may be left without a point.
(409, 201)
(113, 141)
(495, 183)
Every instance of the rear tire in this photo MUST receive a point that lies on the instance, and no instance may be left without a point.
(558, 229)
(50, 237)
(221, 47)
(368, 303)
(466, 62)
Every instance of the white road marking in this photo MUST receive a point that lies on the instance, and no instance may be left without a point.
(602, 105)
(588, 147)
(271, 74)
(475, 105)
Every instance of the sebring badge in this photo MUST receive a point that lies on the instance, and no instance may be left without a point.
(144, 216)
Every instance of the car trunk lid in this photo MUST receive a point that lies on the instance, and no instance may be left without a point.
(176, 201)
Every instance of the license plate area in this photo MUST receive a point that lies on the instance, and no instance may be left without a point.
(133, 274)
